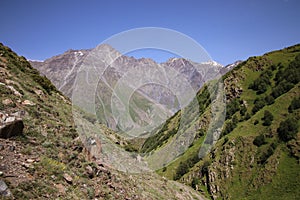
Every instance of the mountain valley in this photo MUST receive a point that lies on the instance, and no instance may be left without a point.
(254, 154)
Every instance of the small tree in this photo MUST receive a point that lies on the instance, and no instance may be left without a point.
(259, 140)
(295, 104)
(258, 104)
(182, 169)
(268, 118)
(195, 182)
(287, 129)
(269, 99)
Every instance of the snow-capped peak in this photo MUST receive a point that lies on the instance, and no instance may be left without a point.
(213, 63)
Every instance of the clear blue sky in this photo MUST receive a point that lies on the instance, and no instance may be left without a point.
(229, 30)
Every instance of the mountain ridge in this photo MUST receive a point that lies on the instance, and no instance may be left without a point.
(62, 70)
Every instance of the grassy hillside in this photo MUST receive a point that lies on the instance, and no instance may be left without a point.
(49, 161)
(257, 155)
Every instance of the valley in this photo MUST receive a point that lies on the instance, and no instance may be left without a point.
(247, 148)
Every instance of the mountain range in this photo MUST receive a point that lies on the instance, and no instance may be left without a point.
(175, 77)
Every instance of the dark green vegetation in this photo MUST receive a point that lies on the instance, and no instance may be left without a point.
(257, 155)
(49, 160)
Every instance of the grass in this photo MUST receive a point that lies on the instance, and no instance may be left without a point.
(170, 170)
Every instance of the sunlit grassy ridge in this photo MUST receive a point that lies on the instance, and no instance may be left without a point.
(250, 159)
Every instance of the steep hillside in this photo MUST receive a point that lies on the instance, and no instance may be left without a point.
(257, 154)
(42, 156)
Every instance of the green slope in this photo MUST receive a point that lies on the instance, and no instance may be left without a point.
(251, 160)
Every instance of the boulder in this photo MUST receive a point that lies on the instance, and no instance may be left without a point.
(4, 191)
(11, 128)
(7, 102)
(68, 178)
(28, 103)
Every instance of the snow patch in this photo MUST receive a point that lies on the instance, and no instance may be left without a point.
(79, 52)
(213, 63)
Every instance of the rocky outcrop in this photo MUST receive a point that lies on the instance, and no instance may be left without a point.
(10, 125)
(4, 190)
(233, 88)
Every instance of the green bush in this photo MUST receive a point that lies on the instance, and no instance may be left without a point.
(204, 168)
(181, 170)
(195, 182)
(269, 100)
(232, 107)
(268, 118)
(287, 78)
(4, 90)
(258, 104)
(260, 85)
(229, 127)
(44, 82)
(243, 110)
(295, 104)
(288, 129)
(259, 140)
(247, 116)
(281, 88)
(266, 154)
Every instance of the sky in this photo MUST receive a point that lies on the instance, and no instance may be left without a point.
(228, 30)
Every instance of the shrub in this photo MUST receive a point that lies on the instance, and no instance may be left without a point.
(295, 104)
(44, 82)
(268, 118)
(195, 182)
(228, 128)
(287, 78)
(287, 129)
(204, 168)
(273, 67)
(269, 99)
(281, 88)
(247, 116)
(225, 140)
(260, 85)
(232, 107)
(266, 154)
(258, 104)
(181, 170)
(243, 110)
(259, 140)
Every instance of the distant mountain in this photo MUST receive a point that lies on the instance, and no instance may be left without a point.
(62, 70)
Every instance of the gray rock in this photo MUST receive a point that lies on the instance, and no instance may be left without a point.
(4, 191)
(13, 128)
(68, 178)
